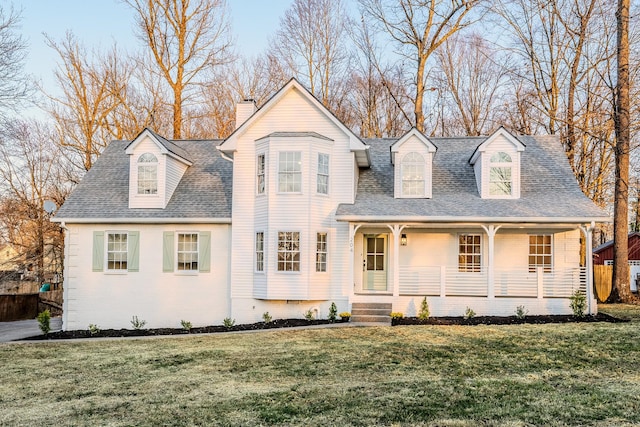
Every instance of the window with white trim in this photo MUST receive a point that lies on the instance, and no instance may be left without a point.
(469, 252)
(288, 251)
(413, 172)
(117, 252)
(500, 175)
(260, 174)
(540, 252)
(260, 251)
(323, 174)
(290, 172)
(187, 252)
(321, 252)
(147, 174)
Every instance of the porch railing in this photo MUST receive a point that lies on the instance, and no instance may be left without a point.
(449, 281)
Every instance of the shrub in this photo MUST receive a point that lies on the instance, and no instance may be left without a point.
(424, 309)
(469, 313)
(521, 312)
(186, 325)
(93, 329)
(333, 312)
(308, 315)
(397, 315)
(266, 317)
(137, 323)
(345, 315)
(44, 321)
(228, 322)
(578, 303)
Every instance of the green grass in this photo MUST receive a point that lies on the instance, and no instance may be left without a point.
(518, 375)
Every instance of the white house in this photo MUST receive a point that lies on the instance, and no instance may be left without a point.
(294, 211)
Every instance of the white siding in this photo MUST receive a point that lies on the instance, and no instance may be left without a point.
(413, 144)
(306, 212)
(146, 200)
(483, 165)
(161, 299)
(174, 172)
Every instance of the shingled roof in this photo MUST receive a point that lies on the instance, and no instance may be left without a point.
(204, 192)
(548, 188)
(549, 191)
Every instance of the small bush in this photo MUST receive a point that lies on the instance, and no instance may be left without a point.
(424, 309)
(228, 322)
(345, 315)
(44, 321)
(266, 317)
(333, 312)
(186, 325)
(397, 315)
(521, 312)
(578, 303)
(308, 315)
(137, 323)
(469, 313)
(93, 329)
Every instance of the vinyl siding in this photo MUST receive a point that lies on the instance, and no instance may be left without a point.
(146, 200)
(174, 172)
(413, 144)
(483, 166)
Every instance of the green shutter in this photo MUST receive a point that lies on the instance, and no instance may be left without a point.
(133, 254)
(98, 251)
(168, 249)
(204, 254)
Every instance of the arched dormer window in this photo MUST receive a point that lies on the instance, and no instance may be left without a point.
(500, 175)
(147, 174)
(413, 174)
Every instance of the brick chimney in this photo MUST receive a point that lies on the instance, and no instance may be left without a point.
(244, 110)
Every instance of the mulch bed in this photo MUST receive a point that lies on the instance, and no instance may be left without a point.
(119, 333)
(288, 323)
(506, 320)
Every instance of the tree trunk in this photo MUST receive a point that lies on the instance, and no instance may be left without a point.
(621, 291)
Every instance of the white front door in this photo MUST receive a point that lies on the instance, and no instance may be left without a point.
(375, 263)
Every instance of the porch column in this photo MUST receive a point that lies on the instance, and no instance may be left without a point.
(396, 229)
(587, 230)
(491, 232)
(352, 233)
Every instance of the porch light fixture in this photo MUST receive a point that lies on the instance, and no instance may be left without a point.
(403, 240)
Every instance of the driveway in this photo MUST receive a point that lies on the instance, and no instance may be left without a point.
(11, 331)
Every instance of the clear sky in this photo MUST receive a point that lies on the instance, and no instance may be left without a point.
(98, 23)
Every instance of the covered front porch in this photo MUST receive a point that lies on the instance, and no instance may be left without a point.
(492, 268)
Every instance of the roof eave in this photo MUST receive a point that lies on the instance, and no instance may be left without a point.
(130, 220)
(467, 219)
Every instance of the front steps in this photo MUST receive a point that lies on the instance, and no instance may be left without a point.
(371, 312)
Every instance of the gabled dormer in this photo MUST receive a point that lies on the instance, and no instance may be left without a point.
(156, 166)
(496, 163)
(412, 157)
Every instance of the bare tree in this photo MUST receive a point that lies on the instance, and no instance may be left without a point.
(30, 172)
(474, 90)
(417, 28)
(184, 38)
(621, 291)
(15, 85)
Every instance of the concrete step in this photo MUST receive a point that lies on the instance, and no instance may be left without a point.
(370, 311)
(380, 305)
(383, 320)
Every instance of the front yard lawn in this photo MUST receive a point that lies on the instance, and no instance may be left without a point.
(515, 375)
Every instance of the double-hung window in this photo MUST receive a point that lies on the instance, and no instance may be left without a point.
(540, 253)
(288, 251)
(413, 172)
(117, 252)
(323, 174)
(187, 251)
(147, 174)
(469, 252)
(321, 252)
(290, 172)
(260, 251)
(260, 174)
(500, 175)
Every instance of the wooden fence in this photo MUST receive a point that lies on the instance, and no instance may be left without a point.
(602, 277)
(18, 307)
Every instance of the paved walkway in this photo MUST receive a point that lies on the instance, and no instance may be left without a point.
(11, 331)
